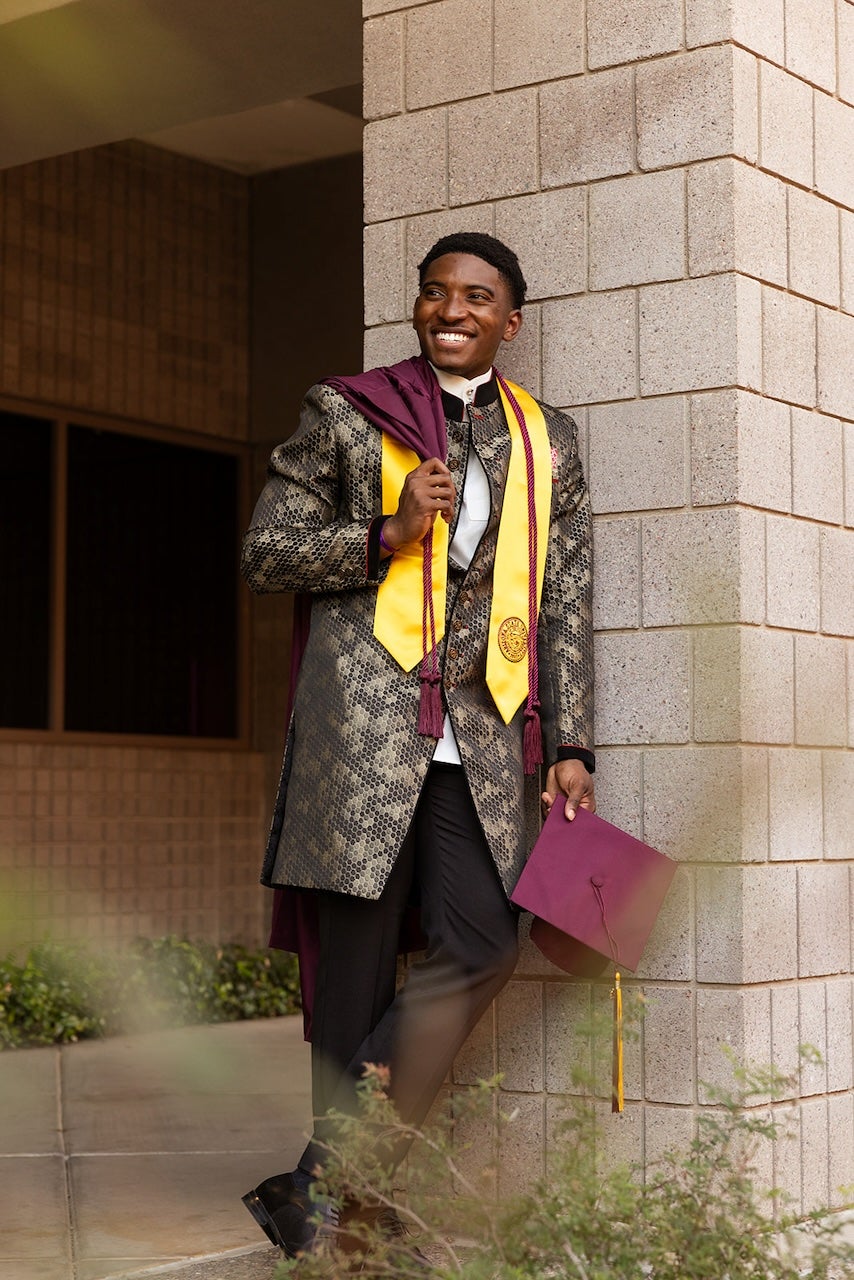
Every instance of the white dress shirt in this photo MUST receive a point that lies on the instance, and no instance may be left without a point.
(471, 523)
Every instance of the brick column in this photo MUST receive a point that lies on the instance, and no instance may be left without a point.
(679, 188)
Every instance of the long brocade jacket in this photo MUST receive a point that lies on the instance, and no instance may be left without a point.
(354, 762)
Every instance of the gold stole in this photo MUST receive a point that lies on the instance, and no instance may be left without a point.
(398, 613)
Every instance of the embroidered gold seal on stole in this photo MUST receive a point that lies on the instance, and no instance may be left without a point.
(513, 639)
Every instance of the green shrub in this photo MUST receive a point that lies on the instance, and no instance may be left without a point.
(61, 993)
(695, 1215)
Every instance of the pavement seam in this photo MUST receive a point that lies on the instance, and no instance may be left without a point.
(185, 1264)
(66, 1163)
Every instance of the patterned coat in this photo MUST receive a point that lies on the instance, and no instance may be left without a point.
(354, 762)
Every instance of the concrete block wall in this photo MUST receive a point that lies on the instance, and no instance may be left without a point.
(679, 187)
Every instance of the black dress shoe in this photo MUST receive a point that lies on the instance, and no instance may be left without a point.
(288, 1216)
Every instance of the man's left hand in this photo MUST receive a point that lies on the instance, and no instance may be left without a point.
(569, 778)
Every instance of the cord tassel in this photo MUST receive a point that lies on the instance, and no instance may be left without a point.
(617, 1063)
(430, 717)
(532, 741)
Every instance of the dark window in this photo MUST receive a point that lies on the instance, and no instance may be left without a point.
(149, 548)
(25, 577)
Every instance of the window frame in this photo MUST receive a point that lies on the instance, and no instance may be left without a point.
(60, 418)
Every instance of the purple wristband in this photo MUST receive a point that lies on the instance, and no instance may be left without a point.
(383, 542)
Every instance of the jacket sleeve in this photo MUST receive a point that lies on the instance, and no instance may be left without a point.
(565, 625)
(303, 535)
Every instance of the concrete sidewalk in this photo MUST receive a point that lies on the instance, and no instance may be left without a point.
(122, 1155)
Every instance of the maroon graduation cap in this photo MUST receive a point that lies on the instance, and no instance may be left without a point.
(594, 892)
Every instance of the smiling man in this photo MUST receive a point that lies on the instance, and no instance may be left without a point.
(434, 519)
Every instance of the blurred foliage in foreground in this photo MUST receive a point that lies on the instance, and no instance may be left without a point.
(65, 992)
(696, 1214)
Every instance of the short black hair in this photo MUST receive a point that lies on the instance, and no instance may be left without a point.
(480, 245)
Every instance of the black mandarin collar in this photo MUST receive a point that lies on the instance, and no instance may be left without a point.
(454, 408)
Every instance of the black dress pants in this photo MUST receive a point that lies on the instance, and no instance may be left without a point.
(470, 926)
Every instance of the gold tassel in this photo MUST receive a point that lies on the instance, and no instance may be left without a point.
(617, 1063)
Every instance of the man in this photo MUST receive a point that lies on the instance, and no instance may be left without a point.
(438, 518)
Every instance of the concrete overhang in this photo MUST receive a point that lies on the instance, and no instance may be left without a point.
(246, 84)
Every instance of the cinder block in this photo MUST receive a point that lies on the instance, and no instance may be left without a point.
(385, 297)
(788, 347)
(667, 1130)
(743, 685)
(590, 348)
(622, 1142)
(702, 566)
(642, 690)
(668, 1039)
(519, 360)
(820, 718)
(405, 165)
(697, 105)
(520, 1036)
(811, 41)
(637, 229)
(787, 1158)
(521, 1144)
(786, 1036)
(837, 582)
(462, 29)
(845, 83)
(568, 1049)
(840, 1046)
(835, 343)
(669, 954)
(478, 170)
(824, 920)
(817, 470)
(838, 804)
(618, 787)
(388, 344)
(840, 1116)
(536, 42)
(547, 230)
(834, 149)
(812, 1033)
(814, 1154)
(707, 804)
(637, 455)
(740, 450)
(736, 1020)
(717, 684)
(795, 793)
(813, 246)
(757, 25)
(383, 66)
(477, 1059)
(586, 128)
(616, 574)
(698, 333)
(655, 28)
(846, 242)
(786, 125)
(792, 557)
(747, 923)
(736, 221)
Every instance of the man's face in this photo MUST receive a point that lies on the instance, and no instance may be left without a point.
(462, 314)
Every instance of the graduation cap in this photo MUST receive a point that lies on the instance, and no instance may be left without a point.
(594, 892)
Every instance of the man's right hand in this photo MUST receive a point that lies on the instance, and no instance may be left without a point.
(427, 492)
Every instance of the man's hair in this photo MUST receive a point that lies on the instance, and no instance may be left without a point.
(490, 250)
